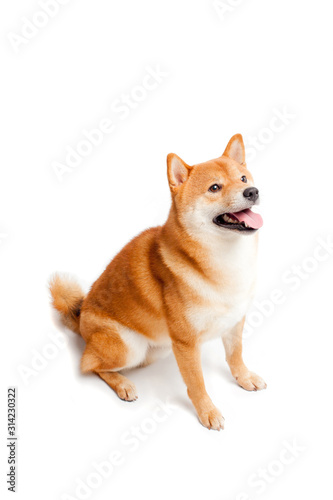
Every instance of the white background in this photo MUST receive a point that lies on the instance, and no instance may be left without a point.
(226, 74)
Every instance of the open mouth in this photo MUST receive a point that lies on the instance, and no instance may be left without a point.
(245, 220)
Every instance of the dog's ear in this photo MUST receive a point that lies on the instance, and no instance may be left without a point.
(236, 149)
(178, 171)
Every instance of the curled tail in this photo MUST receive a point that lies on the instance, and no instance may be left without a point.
(67, 298)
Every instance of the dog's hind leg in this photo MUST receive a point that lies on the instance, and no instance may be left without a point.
(123, 387)
(105, 353)
(110, 350)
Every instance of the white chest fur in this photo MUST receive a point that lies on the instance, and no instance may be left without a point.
(223, 304)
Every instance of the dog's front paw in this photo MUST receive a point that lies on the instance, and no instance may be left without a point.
(212, 419)
(251, 381)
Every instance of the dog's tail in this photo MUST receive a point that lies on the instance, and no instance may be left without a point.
(67, 298)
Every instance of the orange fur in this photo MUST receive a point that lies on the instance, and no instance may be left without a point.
(67, 298)
(171, 286)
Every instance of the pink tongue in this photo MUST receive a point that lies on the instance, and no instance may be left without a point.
(252, 220)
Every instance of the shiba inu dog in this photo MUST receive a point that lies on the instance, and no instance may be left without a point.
(177, 285)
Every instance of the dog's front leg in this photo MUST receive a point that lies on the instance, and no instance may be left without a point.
(233, 348)
(189, 362)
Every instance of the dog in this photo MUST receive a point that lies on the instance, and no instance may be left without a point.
(176, 286)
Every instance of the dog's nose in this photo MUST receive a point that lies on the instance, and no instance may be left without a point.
(252, 194)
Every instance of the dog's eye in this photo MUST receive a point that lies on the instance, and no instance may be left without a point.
(244, 179)
(214, 188)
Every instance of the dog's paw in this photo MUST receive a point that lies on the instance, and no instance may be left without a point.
(212, 419)
(126, 391)
(251, 381)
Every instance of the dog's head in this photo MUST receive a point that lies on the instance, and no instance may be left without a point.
(215, 196)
